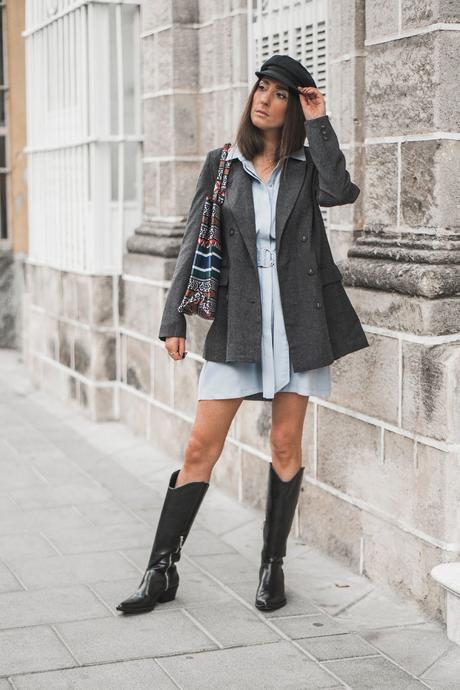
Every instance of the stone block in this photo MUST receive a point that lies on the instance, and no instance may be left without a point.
(185, 385)
(425, 12)
(102, 403)
(227, 470)
(381, 185)
(401, 560)
(140, 307)
(185, 124)
(331, 524)
(151, 203)
(429, 189)
(138, 364)
(183, 55)
(169, 431)
(103, 352)
(148, 266)
(83, 297)
(346, 79)
(158, 140)
(346, 22)
(403, 94)
(239, 61)
(368, 380)
(309, 440)
(168, 196)
(66, 335)
(149, 48)
(69, 305)
(164, 54)
(102, 300)
(82, 352)
(51, 326)
(430, 394)
(254, 479)
(399, 312)
(134, 411)
(254, 424)
(348, 453)
(382, 19)
(162, 375)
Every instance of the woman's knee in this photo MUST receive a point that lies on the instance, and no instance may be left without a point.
(284, 442)
(201, 450)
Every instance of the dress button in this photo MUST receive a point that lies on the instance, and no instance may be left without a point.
(304, 238)
(231, 231)
(310, 271)
(318, 304)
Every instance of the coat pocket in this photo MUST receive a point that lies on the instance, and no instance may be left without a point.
(329, 273)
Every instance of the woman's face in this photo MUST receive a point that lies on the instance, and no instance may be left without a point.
(271, 97)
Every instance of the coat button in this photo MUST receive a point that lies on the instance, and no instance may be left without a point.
(232, 231)
(318, 304)
(310, 270)
(323, 128)
(304, 238)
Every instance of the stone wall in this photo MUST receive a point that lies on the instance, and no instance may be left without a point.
(71, 338)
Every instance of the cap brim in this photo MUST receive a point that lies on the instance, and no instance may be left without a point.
(274, 74)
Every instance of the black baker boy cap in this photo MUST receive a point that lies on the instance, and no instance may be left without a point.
(286, 70)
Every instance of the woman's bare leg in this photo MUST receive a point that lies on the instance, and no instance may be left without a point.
(288, 416)
(212, 422)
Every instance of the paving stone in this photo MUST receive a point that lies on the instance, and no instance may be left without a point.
(381, 608)
(27, 545)
(4, 685)
(201, 542)
(36, 607)
(296, 602)
(228, 568)
(269, 666)
(32, 649)
(99, 538)
(39, 520)
(246, 627)
(143, 674)
(415, 647)
(56, 571)
(339, 646)
(372, 673)
(444, 674)
(8, 582)
(317, 625)
(67, 494)
(108, 513)
(152, 634)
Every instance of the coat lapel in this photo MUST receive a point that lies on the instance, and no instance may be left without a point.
(241, 205)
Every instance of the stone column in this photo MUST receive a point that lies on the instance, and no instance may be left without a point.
(387, 463)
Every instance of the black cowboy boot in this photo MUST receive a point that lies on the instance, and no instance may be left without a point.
(281, 503)
(161, 579)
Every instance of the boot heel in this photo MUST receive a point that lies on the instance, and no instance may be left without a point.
(168, 595)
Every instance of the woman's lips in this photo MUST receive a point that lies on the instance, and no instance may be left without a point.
(261, 112)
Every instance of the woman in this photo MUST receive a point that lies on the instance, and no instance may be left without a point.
(282, 313)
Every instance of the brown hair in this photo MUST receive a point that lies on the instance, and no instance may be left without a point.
(250, 139)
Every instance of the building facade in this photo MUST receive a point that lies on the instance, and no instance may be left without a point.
(123, 102)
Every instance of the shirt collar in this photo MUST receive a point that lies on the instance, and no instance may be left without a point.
(234, 152)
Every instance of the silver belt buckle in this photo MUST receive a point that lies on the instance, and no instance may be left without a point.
(270, 258)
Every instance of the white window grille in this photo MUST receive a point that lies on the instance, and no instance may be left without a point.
(293, 27)
(4, 158)
(83, 131)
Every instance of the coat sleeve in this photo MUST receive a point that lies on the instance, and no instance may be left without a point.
(173, 323)
(334, 186)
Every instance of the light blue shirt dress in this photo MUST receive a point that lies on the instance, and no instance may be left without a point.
(255, 381)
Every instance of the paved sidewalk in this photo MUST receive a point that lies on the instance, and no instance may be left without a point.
(79, 503)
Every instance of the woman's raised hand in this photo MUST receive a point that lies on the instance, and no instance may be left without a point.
(312, 101)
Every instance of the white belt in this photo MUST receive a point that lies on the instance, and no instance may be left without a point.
(266, 257)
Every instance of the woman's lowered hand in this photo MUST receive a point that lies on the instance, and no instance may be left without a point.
(176, 347)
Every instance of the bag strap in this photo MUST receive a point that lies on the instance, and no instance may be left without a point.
(220, 184)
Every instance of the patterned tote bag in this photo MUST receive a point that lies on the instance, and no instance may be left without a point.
(200, 296)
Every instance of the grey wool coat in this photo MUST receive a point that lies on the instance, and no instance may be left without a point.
(321, 323)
